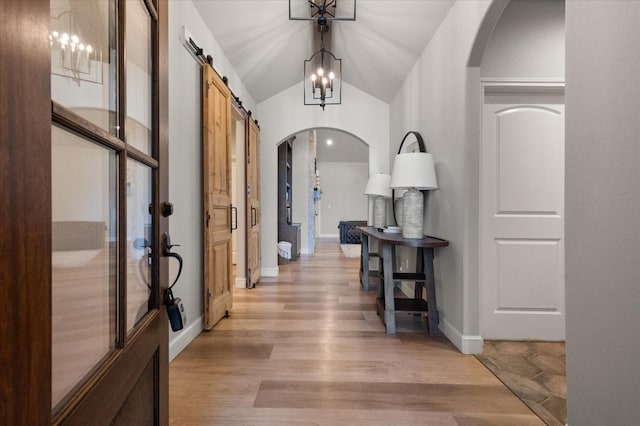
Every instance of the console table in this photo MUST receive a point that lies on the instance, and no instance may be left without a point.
(423, 276)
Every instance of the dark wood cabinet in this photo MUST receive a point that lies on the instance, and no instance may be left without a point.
(285, 177)
(287, 230)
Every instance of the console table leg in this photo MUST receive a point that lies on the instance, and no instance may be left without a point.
(432, 306)
(364, 262)
(417, 290)
(389, 303)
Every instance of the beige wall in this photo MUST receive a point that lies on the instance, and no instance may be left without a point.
(603, 212)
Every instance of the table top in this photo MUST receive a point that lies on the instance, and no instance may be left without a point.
(399, 240)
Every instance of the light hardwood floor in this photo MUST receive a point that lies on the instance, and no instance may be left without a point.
(307, 348)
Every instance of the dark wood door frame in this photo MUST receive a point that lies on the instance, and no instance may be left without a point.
(25, 212)
(25, 220)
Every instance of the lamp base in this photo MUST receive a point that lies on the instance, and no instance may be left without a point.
(379, 212)
(412, 214)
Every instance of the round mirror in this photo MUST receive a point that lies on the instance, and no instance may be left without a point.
(412, 142)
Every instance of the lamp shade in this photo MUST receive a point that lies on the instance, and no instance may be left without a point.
(414, 170)
(378, 184)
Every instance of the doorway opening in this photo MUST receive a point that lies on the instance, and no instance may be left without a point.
(238, 198)
(329, 170)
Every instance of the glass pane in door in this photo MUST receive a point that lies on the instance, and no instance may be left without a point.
(139, 76)
(84, 258)
(83, 59)
(139, 233)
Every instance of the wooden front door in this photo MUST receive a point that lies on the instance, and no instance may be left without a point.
(253, 203)
(86, 160)
(216, 169)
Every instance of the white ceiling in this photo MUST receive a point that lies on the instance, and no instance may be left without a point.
(378, 50)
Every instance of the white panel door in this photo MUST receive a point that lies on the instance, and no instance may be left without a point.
(522, 216)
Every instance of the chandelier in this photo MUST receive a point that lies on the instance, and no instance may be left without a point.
(71, 56)
(323, 70)
(323, 78)
(311, 10)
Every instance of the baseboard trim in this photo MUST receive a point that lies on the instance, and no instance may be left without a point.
(241, 283)
(329, 236)
(270, 272)
(181, 340)
(467, 344)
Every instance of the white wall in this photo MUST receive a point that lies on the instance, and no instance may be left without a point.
(440, 99)
(527, 42)
(285, 114)
(82, 177)
(603, 212)
(185, 151)
(342, 195)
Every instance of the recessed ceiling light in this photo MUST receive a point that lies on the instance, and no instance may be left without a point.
(329, 142)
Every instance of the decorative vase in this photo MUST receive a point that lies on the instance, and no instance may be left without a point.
(379, 212)
(412, 214)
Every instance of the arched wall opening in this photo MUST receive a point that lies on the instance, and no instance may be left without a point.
(329, 170)
(360, 115)
(342, 162)
(518, 44)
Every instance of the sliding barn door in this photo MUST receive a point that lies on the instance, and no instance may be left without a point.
(216, 168)
(253, 203)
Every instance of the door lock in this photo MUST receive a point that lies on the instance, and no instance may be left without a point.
(167, 209)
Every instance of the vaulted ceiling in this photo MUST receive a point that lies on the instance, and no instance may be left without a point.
(378, 50)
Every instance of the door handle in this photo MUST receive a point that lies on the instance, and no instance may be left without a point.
(254, 216)
(166, 251)
(175, 309)
(234, 218)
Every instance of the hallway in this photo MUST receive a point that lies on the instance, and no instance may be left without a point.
(307, 348)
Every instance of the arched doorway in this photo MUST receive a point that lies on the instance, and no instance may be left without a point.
(321, 176)
(521, 170)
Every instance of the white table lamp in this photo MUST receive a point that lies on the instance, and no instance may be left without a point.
(413, 171)
(378, 186)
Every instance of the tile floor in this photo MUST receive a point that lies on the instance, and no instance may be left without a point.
(535, 372)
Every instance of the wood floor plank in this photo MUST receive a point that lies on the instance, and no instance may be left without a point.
(307, 348)
(329, 305)
(309, 324)
(309, 417)
(298, 315)
(371, 371)
(381, 396)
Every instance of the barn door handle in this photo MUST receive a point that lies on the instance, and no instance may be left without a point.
(233, 211)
